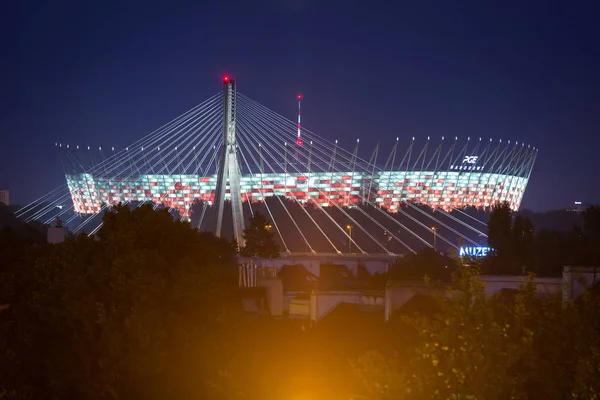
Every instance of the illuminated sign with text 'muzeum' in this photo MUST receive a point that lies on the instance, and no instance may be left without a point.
(474, 251)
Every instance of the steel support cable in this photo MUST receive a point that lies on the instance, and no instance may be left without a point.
(347, 156)
(76, 186)
(470, 216)
(395, 221)
(369, 216)
(160, 133)
(422, 154)
(96, 229)
(356, 223)
(514, 171)
(251, 104)
(161, 199)
(157, 134)
(480, 177)
(48, 207)
(463, 223)
(240, 125)
(242, 143)
(275, 115)
(339, 208)
(164, 198)
(191, 133)
(491, 159)
(251, 110)
(529, 170)
(105, 206)
(510, 155)
(239, 149)
(464, 149)
(52, 199)
(470, 192)
(202, 150)
(126, 155)
(439, 222)
(526, 166)
(216, 142)
(180, 133)
(514, 154)
(213, 157)
(327, 214)
(496, 170)
(523, 163)
(437, 151)
(389, 217)
(63, 211)
(151, 138)
(127, 177)
(129, 153)
(24, 209)
(407, 229)
(303, 209)
(88, 219)
(246, 130)
(214, 134)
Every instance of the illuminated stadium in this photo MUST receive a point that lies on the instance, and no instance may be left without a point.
(231, 149)
(453, 187)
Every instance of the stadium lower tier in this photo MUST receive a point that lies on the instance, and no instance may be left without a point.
(438, 189)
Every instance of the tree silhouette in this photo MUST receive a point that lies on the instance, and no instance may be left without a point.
(511, 241)
(499, 230)
(591, 223)
(522, 243)
(259, 239)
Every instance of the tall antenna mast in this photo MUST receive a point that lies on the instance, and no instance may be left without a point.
(299, 140)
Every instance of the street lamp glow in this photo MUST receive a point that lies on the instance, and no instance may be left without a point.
(349, 227)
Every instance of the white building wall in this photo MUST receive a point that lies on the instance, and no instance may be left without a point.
(322, 303)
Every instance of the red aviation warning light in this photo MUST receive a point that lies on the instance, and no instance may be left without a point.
(225, 78)
(299, 140)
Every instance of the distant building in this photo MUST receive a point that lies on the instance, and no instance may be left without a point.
(4, 197)
(577, 207)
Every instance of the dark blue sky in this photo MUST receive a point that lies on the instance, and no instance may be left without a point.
(108, 72)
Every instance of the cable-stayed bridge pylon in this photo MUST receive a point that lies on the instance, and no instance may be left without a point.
(228, 169)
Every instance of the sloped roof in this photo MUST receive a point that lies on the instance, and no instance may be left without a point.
(297, 278)
(423, 304)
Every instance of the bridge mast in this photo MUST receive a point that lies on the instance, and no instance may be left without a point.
(229, 167)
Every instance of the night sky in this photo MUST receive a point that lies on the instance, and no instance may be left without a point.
(107, 73)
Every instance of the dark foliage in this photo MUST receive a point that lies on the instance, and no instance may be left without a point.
(133, 313)
(259, 239)
(427, 263)
(511, 240)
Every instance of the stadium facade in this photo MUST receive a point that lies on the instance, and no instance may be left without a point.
(459, 186)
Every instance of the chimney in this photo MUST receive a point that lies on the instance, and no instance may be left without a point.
(56, 233)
